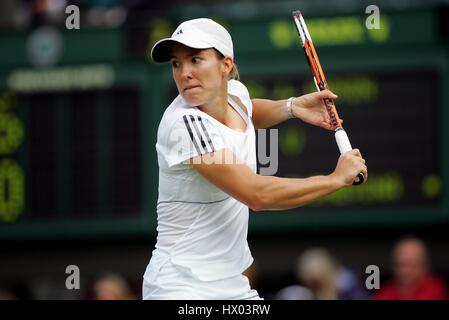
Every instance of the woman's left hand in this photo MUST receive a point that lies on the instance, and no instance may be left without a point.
(310, 108)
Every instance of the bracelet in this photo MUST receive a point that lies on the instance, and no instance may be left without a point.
(289, 107)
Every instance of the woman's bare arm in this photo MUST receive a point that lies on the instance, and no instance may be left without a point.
(309, 108)
(274, 193)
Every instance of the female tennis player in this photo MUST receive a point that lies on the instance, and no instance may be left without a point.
(207, 168)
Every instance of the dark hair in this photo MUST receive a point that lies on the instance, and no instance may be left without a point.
(234, 74)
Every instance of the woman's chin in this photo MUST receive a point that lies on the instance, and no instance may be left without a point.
(192, 102)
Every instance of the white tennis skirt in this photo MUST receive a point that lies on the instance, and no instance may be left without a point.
(177, 283)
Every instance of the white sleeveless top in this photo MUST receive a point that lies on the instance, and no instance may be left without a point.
(200, 227)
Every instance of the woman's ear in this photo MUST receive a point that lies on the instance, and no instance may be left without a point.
(228, 64)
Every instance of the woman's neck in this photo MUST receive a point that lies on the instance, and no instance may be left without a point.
(217, 107)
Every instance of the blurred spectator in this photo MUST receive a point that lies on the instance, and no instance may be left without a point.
(44, 12)
(295, 292)
(7, 295)
(323, 278)
(13, 14)
(413, 279)
(111, 286)
(14, 289)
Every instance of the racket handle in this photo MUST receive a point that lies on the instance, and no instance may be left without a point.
(344, 146)
(342, 140)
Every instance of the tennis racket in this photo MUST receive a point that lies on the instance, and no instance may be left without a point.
(344, 145)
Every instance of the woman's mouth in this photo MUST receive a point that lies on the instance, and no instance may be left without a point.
(190, 87)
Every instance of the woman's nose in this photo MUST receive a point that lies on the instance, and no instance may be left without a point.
(186, 71)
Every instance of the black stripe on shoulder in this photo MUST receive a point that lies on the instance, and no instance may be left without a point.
(199, 132)
(207, 134)
(189, 129)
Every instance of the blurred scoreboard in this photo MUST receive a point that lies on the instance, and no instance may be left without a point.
(76, 156)
(400, 141)
(389, 126)
(393, 100)
(77, 140)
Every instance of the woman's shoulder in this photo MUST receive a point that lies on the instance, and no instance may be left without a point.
(179, 115)
(237, 88)
(178, 110)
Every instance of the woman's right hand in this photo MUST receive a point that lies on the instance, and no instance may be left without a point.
(349, 165)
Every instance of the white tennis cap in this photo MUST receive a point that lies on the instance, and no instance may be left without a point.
(201, 33)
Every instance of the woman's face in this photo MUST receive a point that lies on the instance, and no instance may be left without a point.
(199, 74)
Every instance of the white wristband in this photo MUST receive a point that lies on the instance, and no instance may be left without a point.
(289, 107)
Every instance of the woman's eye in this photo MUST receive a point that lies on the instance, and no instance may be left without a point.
(175, 64)
(195, 60)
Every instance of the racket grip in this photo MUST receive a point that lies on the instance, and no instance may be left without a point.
(344, 146)
(342, 140)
